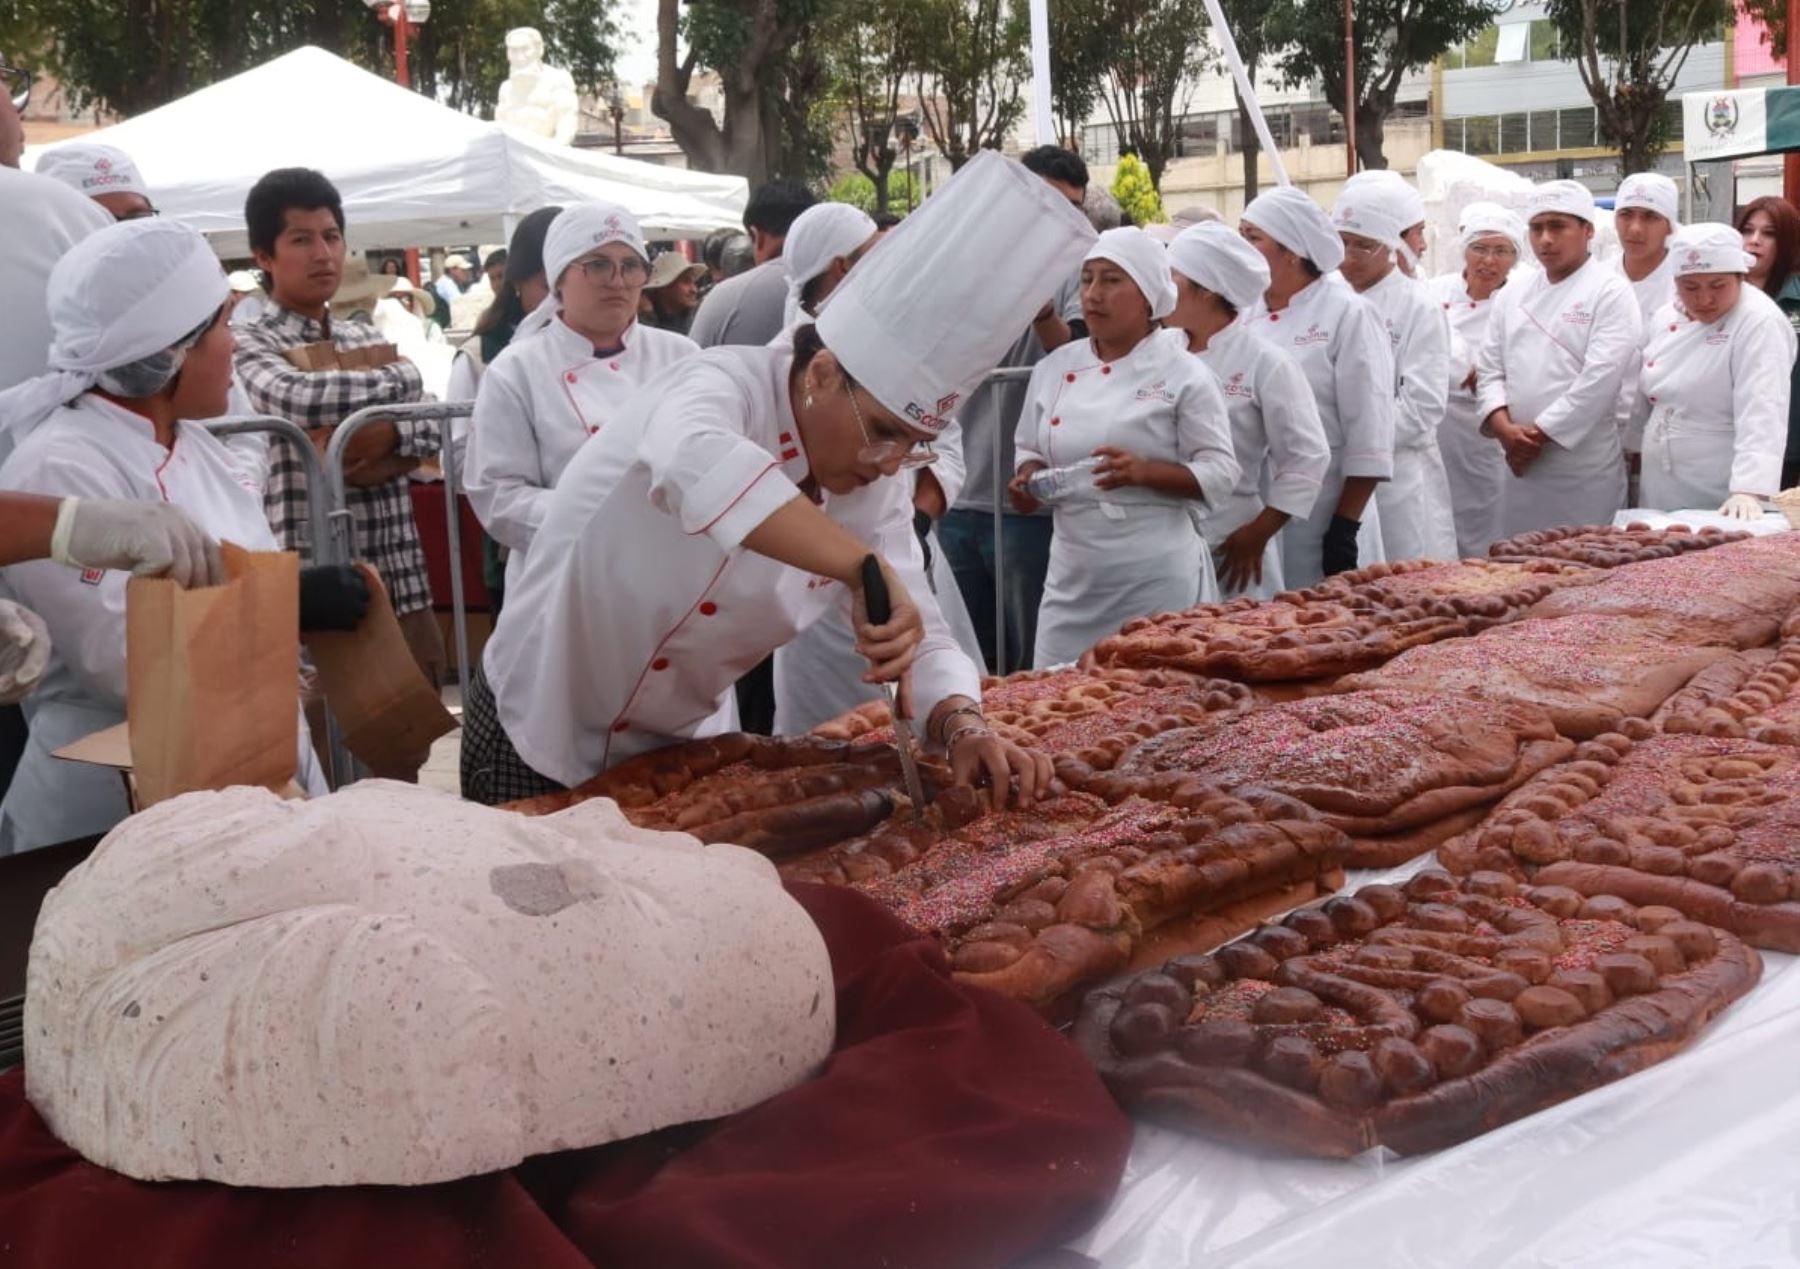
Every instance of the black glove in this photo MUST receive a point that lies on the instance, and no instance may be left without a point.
(922, 527)
(1337, 553)
(332, 597)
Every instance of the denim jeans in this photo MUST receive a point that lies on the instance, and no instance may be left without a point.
(968, 541)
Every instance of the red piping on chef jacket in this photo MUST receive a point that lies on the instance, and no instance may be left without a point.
(625, 710)
(742, 493)
(565, 378)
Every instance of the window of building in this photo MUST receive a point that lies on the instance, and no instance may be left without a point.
(1544, 135)
(1478, 51)
(1546, 41)
(1515, 134)
(1482, 134)
(1577, 128)
(1514, 43)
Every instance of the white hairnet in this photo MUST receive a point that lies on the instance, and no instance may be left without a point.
(583, 227)
(1396, 192)
(137, 291)
(1144, 260)
(1562, 198)
(1220, 260)
(1490, 220)
(91, 168)
(1708, 247)
(1289, 216)
(1650, 191)
(819, 235)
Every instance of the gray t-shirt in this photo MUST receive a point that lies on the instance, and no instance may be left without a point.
(746, 309)
(997, 408)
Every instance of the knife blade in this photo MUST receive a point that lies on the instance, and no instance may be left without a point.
(875, 599)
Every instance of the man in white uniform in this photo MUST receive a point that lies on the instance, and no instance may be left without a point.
(1552, 369)
(1416, 521)
(1645, 213)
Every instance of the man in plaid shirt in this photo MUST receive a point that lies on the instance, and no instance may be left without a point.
(296, 226)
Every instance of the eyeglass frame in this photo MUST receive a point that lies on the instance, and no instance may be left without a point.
(21, 97)
(1492, 251)
(614, 269)
(1363, 253)
(911, 455)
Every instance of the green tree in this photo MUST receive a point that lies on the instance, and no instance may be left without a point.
(1150, 53)
(1136, 192)
(1077, 61)
(1628, 53)
(976, 52)
(876, 54)
(1248, 20)
(1393, 38)
(859, 191)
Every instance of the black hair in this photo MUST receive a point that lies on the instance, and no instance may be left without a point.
(267, 205)
(775, 206)
(495, 257)
(1312, 270)
(810, 294)
(712, 252)
(1057, 164)
(524, 260)
(808, 343)
(885, 221)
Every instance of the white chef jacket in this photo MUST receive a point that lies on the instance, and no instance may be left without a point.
(40, 219)
(1655, 290)
(1416, 522)
(1712, 407)
(93, 448)
(639, 607)
(538, 402)
(1118, 554)
(1474, 464)
(1275, 433)
(1556, 355)
(1341, 346)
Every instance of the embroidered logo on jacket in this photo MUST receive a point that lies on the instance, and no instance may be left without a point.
(1236, 387)
(1577, 314)
(1313, 335)
(1156, 392)
(92, 576)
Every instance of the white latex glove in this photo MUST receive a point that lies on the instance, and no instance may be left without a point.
(148, 538)
(24, 651)
(1742, 507)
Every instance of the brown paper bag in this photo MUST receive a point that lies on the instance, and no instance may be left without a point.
(213, 678)
(325, 355)
(386, 710)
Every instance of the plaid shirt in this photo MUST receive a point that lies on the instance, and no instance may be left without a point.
(386, 535)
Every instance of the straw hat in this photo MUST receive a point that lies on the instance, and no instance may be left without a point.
(360, 288)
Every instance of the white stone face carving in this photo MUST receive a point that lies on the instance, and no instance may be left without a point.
(536, 98)
(392, 986)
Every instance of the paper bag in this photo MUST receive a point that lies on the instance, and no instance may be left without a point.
(386, 711)
(325, 355)
(213, 678)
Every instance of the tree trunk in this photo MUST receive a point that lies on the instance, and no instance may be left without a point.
(1251, 148)
(1371, 129)
(1156, 159)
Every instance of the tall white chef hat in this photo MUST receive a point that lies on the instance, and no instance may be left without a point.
(1490, 220)
(1289, 216)
(90, 168)
(1708, 247)
(135, 292)
(1561, 198)
(580, 229)
(1651, 191)
(924, 318)
(819, 235)
(1145, 261)
(1220, 260)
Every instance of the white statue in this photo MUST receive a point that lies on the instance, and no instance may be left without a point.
(536, 98)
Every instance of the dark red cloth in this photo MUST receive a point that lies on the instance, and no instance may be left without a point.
(950, 1129)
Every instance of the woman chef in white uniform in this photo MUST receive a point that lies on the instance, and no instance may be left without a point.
(1415, 502)
(141, 344)
(1712, 403)
(735, 503)
(1342, 348)
(1131, 396)
(818, 675)
(1492, 239)
(1274, 420)
(547, 392)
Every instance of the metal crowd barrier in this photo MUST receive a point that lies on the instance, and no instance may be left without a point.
(996, 379)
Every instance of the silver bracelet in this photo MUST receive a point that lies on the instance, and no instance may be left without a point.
(974, 711)
(976, 730)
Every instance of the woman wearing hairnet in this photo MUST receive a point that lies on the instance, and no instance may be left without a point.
(1132, 398)
(140, 346)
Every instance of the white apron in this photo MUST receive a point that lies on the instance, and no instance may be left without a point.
(1474, 464)
(1416, 521)
(1556, 355)
(1277, 437)
(1124, 553)
(95, 449)
(1711, 418)
(639, 607)
(1339, 342)
(539, 401)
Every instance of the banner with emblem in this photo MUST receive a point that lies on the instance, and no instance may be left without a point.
(1726, 125)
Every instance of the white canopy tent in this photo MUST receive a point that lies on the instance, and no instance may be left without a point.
(411, 171)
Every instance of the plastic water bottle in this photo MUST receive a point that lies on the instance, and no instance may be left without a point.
(1053, 484)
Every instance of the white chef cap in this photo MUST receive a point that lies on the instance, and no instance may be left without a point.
(1490, 220)
(1289, 216)
(1650, 191)
(1145, 261)
(91, 168)
(579, 229)
(1220, 260)
(1395, 191)
(1561, 198)
(819, 235)
(1164, 232)
(922, 320)
(1366, 212)
(133, 291)
(1708, 247)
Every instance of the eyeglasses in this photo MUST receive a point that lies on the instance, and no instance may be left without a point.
(1481, 252)
(900, 455)
(603, 269)
(18, 85)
